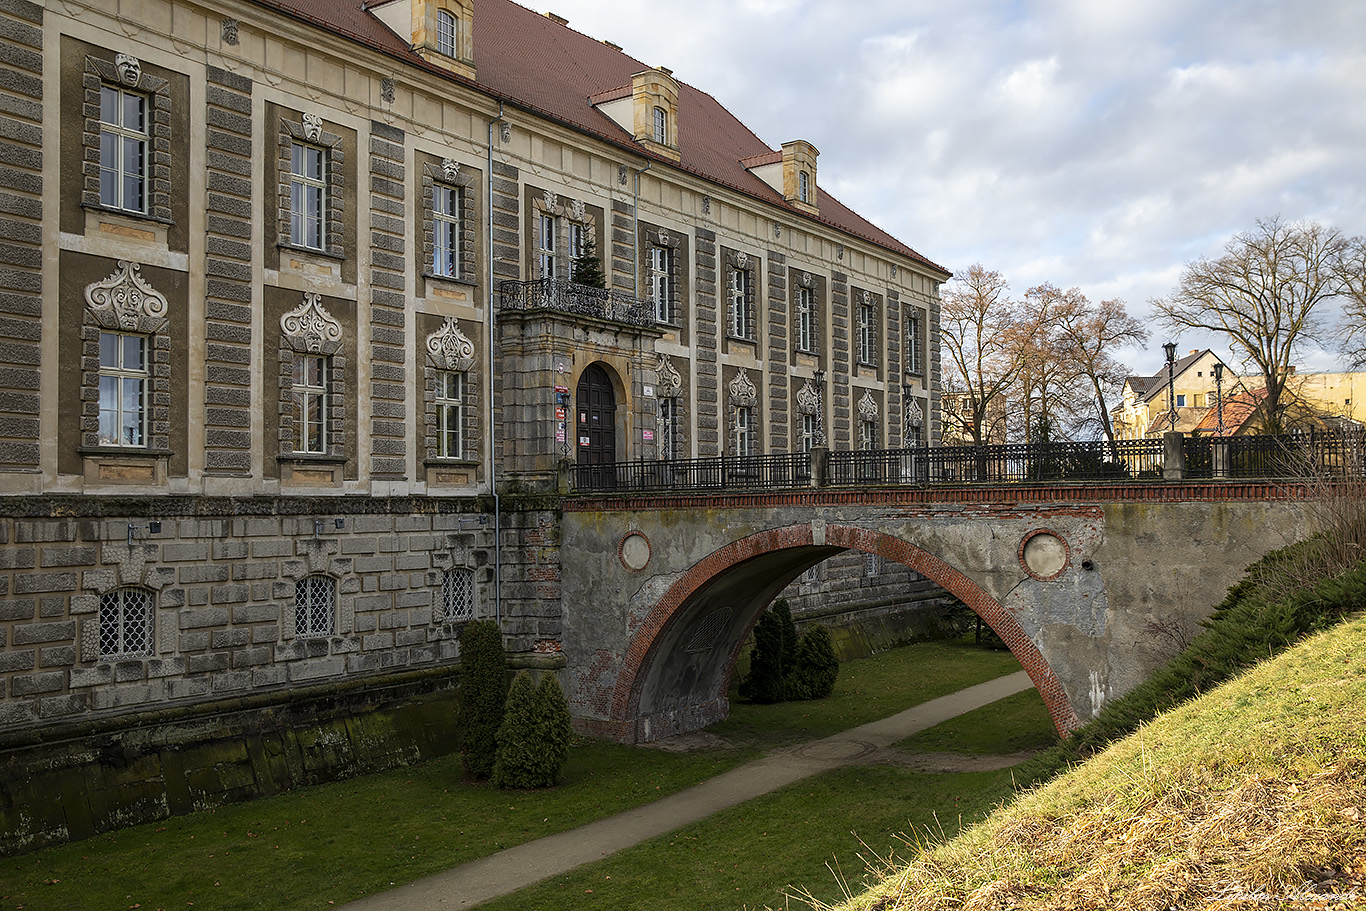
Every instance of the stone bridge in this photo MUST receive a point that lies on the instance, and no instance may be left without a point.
(1092, 587)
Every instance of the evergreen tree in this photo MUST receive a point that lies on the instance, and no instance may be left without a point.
(483, 690)
(554, 728)
(765, 681)
(515, 765)
(783, 612)
(588, 268)
(816, 666)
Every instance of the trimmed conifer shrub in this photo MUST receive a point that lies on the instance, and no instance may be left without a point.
(765, 681)
(783, 612)
(816, 666)
(483, 691)
(516, 763)
(554, 728)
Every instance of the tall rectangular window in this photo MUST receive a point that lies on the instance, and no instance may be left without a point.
(546, 246)
(661, 283)
(576, 246)
(668, 428)
(806, 320)
(744, 431)
(661, 125)
(804, 186)
(739, 304)
(866, 333)
(446, 219)
(913, 343)
(445, 33)
(867, 434)
(808, 432)
(124, 144)
(124, 384)
(307, 196)
(450, 414)
(310, 398)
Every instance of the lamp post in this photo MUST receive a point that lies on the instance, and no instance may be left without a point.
(1170, 348)
(1219, 393)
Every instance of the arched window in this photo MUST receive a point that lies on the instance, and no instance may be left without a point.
(804, 186)
(126, 623)
(315, 606)
(445, 33)
(661, 126)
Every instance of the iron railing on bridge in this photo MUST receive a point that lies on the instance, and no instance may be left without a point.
(1314, 455)
(572, 297)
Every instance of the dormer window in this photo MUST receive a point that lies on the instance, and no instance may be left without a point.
(804, 186)
(661, 126)
(445, 33)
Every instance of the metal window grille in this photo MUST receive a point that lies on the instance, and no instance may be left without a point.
(123, 389)
(446, 215)
(445, 33)
(123, 149)
(307, 196)
(310, 396)
(126, 623)
(812, 575)
(450, 414)
(457, 594)
(315, 606)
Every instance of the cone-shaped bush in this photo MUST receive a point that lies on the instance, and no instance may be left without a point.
(765, 681)
(516, 763)
(483, 689)
(554, 728)
(783, 612)
(815, 668)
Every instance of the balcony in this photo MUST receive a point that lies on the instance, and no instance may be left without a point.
(578, 300)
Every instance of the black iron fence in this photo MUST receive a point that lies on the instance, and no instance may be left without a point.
(580, 300)
(1291, 456)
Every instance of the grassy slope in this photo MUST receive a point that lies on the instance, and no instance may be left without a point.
(1254, 788)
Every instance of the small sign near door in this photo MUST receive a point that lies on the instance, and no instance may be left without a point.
(583, 441)
(648, 435)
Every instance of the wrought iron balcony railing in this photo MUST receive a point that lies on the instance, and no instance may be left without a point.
(571, 297)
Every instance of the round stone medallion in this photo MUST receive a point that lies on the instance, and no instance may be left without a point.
(635, 551)
(1043, 554)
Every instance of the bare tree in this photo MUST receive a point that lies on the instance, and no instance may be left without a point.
(981, 334)
(1351, 269)
(1088, 335)
(1264, 294)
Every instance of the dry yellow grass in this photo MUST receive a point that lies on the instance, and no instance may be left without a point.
(1251, 797)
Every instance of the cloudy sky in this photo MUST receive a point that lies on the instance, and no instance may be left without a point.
(1099, 144)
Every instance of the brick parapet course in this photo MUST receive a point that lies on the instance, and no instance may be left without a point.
(222, 574)
(21, 232)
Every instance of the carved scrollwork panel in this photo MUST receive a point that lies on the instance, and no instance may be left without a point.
(125, 302)
(310, 329)
(450, 349)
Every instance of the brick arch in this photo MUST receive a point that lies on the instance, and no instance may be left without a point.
(641, 651)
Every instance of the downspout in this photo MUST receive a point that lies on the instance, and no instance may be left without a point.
(493, 448)
(635, 234)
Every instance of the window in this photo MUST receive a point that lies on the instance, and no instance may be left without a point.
(315, 606)
(913, 343)
(812, 575)
(447, 212)
(808, 432)
(744, 430)
(740, 325)
(806, 320)
(661, 126)
(576, 246)
(307, 196)
(124, 388)
(546, 239)
(872, 565)
(123, 149)
(457, 595)
(867, 434)
(667, 443)
(1181, 401)
(450, 414)
(310, 398)
(126, 623)
(866, 335)
(804, 186)
(445, 33)
(661, 283)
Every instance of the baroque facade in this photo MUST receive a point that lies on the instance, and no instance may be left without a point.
(287, 313)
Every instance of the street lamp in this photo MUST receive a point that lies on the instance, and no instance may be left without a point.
(1170, 348)
(1219, 393)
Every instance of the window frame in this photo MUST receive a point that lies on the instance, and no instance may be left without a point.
(446, 406)
(159, 168)
(114, 602)
(576, 235)
(744, 431)
(447, 33)
(914, 355)
(660, 261)
(806, 320)
(547, 231)
(451, 589)
(304, 589)
(121, 134)
(807, 434)
(741, 323)
(867, 327)
(660, 126)
(804, 186)
(867, 435)
(301, 394)
(119, 373)
(666, 446)
(302, 215)
(448, 259)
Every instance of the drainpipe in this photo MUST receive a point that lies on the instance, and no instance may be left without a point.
(635, 235)
(493, 449)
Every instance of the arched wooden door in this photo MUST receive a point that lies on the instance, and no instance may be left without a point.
(596, 407)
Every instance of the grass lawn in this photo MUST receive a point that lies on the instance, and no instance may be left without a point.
(320, 847)
(1010, 725)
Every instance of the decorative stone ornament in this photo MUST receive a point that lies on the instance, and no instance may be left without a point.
(664, 238)
(450, 169)
(893, 270)
(806, 279)
(309, 329)
(229, 31)
(808, 397)
(578, 211)
(706, 205)
(668, 381)
(129, 67)
(450, 349)
(622, 174)
(313, 127)
(551, 201)
(386, 89)
(839, 251)
(867, 406)
(914, 416)
(125, 302)
(505, 131)
(742, 391)
(742, 260)
(867, 298)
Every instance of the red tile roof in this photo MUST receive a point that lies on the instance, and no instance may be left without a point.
(532, 62)
(1237, 409)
